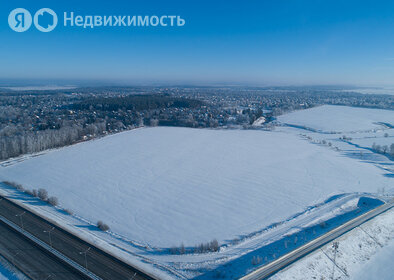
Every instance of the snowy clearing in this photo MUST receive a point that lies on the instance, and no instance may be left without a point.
(380, 266)
(340, 119)
(164, 186)
(48, 87)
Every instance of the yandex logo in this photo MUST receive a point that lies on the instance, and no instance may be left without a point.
(20, 20)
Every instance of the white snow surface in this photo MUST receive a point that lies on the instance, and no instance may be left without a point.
(165, 186)
(9, 272)
(380, 266)
(3, 273)
(339, 119)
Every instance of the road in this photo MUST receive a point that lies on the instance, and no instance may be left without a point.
(273, 267)
(95, 260)
(35, 262)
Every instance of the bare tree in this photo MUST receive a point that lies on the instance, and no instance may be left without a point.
(43, 194)
(102, 226)
(53, 200)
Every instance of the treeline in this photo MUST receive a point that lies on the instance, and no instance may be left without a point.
(14, 142)
(31, 124)
(384, 149)
(136, 103)
(202, 248)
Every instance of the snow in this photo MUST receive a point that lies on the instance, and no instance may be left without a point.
(249, 189)
(359, 255)
(339, 119)
(48, 87)
(362, 127)
(4, 273)
(380, 266)
(384, 90)
(164, 186)
(369, 141)
(8, 272)
(260, 121)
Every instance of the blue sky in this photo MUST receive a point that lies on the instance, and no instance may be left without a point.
(252, 42)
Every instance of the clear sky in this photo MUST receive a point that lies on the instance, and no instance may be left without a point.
(257, 42)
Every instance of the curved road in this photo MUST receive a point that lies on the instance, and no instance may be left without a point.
(273, 267)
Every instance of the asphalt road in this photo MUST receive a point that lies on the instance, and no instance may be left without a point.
(97, 261)
(273, 267)
(31, 259)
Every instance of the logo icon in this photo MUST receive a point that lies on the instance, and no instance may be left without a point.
(45, 20)
(19, 20)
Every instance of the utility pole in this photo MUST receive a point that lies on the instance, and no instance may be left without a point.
(49, 232)
(21, 217)
(335, 245)
(14, 256)
(85, 253)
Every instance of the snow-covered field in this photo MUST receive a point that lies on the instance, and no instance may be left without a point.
(360, 254)
(384, 90)
(365, 253)
(339, 119)
(48, 87)
(361, 128)
(164, 186)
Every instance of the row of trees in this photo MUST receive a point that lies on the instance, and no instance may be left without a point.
(25, 142)
(384, 149)
(212, 246)
(136, 103)
(42, 194)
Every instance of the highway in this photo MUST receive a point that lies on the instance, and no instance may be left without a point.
(38, 263)
(273, 267)
(31, 259)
